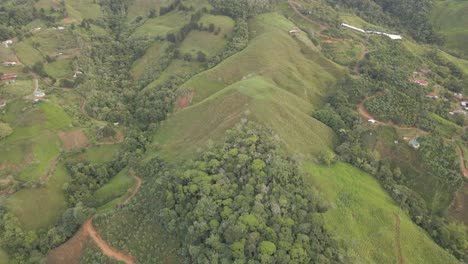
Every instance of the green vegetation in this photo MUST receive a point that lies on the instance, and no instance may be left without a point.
(236, 119)
(449, 20)
(369, 214)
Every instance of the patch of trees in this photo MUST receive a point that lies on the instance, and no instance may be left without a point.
(242, 8)
(244, 202)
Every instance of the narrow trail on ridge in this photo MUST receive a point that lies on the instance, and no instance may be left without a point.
(397, 239)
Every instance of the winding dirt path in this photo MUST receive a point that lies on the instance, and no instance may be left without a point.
(135, 190)
(397, 239)
(106, 249)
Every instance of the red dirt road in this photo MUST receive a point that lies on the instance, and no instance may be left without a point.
(106, 249)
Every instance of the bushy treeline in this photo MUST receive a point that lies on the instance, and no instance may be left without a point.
(242, 8)
(244, 202)
(412, 15)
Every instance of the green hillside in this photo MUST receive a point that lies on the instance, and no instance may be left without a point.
(450, 20)
(219, 131)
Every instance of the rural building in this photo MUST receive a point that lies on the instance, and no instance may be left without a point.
(77, 73)
(391, 36)
(414, 143)
(464, 103)
(39, 93)
(458, 95)
(2, 103)
(432, 96)
(9, 63)
(353, 28)
(8, 78)
(7, 42)
(421, 82)
(372, 121)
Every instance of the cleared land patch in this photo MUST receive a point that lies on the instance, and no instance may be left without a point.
(73, 139)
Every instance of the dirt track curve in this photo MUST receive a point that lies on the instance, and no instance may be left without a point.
(106, 249)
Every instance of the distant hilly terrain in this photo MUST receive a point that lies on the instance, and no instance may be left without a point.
(218, 131)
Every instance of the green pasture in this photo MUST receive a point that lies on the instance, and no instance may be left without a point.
(294, 66)
(40, 207)
(27, 54)
(100, 153)
(450, 20)
(59, 69)
(117, 187)
(363, 217)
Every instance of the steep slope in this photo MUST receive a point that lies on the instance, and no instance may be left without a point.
(450, 20)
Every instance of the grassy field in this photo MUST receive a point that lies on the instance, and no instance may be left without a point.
(40, 207)
(153, 53)
(27, 54)
(100, 154)
(208, 42)
(161, 25)
(83, 9)
(59, 69)
(115, 188)
(3, 257)
(362, 216)
(450, 19)
(294, 66)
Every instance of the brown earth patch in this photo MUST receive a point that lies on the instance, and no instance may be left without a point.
(73, 139)
(69, 20)
(459, 208)
(69, 252)
(185, 100)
